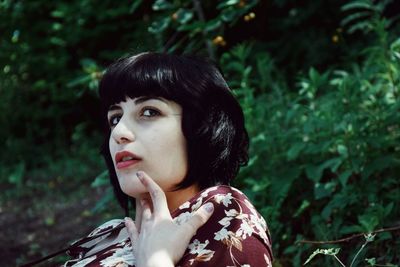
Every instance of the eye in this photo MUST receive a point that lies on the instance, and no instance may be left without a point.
(150, 112)
(113, 120)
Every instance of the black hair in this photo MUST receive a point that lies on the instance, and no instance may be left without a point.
(212, 119)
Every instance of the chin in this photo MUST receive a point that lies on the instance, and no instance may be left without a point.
(131, 187)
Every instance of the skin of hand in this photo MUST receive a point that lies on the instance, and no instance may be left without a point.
(158, 240)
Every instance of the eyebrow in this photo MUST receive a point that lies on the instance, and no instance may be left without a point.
(137, 101)
(146, 98)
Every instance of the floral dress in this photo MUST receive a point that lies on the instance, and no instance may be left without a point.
(235, 235)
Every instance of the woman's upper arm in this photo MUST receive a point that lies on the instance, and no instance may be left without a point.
(235, 235)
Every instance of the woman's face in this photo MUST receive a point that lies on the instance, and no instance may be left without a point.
(146, 135)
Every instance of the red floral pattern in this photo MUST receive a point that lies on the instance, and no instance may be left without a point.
(235, 235)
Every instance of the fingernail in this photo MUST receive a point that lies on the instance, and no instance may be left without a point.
(209, 207)
(139, 174)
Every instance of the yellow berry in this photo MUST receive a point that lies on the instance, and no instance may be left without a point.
(218, 40)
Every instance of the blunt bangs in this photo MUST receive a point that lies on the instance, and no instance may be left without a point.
(133, 77)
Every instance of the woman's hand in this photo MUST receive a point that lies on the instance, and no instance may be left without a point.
(156, 239)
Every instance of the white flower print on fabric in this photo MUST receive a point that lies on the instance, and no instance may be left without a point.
(225, 199)
(221, 234)
(184, 205)
(228, 238)
(197, 205)
(205, 192)
(109, 224)
(245, 230)
(226, 221)
(233, 229)
(199, 249)
(122, 257)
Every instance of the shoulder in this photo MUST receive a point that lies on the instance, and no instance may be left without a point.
(99, 231)
(107, 226)
(235, 226)
(107, 244)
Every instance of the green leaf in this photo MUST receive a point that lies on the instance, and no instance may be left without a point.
(324, 190)
(212, 25)
(227, 3)
(107, 198)
(355, 16)
(184, 15)
(85, 79)
(295, 150)
(371, 261)
(343, 151)
(366, 4)
(388, 209)
(365, 26)
(159, 26)
(314, 172)
(101, 179)
(135, 5)
(16, 177)
(369, 237)
(57, 41)
(229, 14)
(304, 205)
(162, 5)
(314, 75)
(344, 177)
(57, 14)
(329, 251)
(368, 222)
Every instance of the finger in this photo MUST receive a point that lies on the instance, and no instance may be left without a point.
(160, 206)
(138, 214)
(199, 218)
(146, 211)
(132, 230)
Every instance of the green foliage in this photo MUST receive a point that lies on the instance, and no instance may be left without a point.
(321, 102)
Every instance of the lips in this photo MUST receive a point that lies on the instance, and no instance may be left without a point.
(125, 159)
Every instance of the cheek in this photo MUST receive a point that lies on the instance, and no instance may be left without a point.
(169, 156)
(111, 147)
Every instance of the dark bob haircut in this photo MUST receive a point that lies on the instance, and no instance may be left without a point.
(212, 119)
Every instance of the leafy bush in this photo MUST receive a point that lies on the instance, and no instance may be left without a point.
(325, 159)
(321, 102)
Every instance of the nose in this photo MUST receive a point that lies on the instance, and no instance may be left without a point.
(122, 134)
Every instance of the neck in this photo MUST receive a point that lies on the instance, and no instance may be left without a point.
(178, 197)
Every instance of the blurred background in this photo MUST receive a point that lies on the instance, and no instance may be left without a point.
(318, 82)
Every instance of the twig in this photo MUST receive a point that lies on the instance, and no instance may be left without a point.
(358, 253)
(170, 41)
(341, 263)
(347, 239)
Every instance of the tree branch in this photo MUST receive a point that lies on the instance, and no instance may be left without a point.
(347, 239)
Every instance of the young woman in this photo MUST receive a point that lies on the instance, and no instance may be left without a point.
(174, 141)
